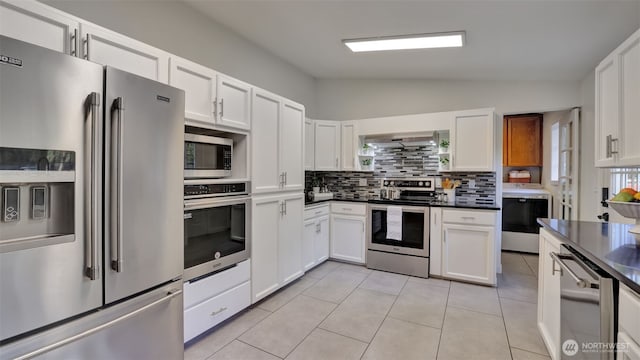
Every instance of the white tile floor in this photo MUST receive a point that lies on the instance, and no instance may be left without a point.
(341, 311)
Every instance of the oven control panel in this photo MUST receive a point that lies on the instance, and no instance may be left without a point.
(427, 184)
(210, 190)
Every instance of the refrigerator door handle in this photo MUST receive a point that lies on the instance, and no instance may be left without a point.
(116, 180)
(170, 295)
(92, 206)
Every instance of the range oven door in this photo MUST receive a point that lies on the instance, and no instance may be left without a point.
(207, 156)
(519, 214)
(415, 231)
(216, 234)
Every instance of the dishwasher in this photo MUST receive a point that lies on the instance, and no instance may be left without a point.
(588, 307)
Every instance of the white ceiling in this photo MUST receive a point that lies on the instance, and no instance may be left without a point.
(506, 40)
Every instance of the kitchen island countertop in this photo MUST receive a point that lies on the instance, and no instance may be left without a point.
(410, 203)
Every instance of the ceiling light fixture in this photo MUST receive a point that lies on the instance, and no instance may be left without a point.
(407, 42)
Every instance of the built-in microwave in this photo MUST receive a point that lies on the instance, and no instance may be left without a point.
(207, 156)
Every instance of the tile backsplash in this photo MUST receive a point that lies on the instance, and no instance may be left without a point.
(419, 161)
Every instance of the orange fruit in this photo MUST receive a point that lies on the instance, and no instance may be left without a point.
(637, 196)
(629, 191)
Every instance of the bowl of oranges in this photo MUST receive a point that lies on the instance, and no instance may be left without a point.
(627, 204)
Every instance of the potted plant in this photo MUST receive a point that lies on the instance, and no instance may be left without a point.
(366, 149)
(315, 184)
(444, 163)
(444, 145)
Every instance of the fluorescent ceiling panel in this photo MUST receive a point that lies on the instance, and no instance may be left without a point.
(407, 42)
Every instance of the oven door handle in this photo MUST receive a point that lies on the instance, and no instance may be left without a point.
(580, 282)
(196, 204)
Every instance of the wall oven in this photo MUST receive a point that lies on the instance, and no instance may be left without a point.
(207, 156)
(216, 226)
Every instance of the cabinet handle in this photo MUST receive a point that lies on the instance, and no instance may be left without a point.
(215, 108)
(318, 212)
(609, 146)
(363, 227)
(222, 309)
(221, 108)
(85, 43)
(285, 207)
(285, 178)
(318, 228)
(347, 209)
(74, 43)
(336, 162)
(612, 141)
(468, 218)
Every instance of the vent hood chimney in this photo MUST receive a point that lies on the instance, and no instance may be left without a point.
(401, 140)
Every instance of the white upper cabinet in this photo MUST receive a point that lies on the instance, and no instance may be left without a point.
(617, 108)
(348, 142)
(309, 145)
(472, 135)
(327, 140)
(110, 48)
(39, 24)
(199, 84)
(234, 103)
(291, 145)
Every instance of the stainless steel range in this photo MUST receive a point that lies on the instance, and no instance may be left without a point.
(398, 227)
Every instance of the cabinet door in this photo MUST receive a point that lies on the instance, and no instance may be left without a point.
(347, 238)
(290, 240)
(109, 48)
(322, 239)
(471, 138)
(199, 85)
(234, 103)
(468, 253)
(606, 107)
(310, 232)
(327, 139)
(309, 145)
(629, 64)
(291, 145)
(549, 294)
(435, 242)
(264, 148)
(36, 23)
(524, 140)
(348, 147)
(265, 218)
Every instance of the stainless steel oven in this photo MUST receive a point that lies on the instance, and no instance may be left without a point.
(216, 227)
(207, 156)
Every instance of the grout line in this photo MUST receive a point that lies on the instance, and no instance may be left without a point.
(444, 317)
(346, 336)
(504, 323)
(531, 352)
(255, 347)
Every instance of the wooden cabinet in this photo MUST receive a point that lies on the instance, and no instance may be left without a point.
(276, 254)
(39, 24)
(110, 48)
(327, 141)
(549, 294)
(315, 244)
(522, 140)
(348, 146)
(277, 143)
(348, 221)
(472, 140)
(469, 246)
(309, 145)
(617, 108)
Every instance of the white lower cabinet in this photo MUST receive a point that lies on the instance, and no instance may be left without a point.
(469, 245)
(549, 294)
(348, 221)
(213, 299)
(629, 324)
(276, 247)
(315, 241)
(435, 242)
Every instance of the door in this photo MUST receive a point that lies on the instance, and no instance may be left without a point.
(569, 165)
(467, 253)
(310, 233)
(265, 215)
(234, 103)
(472, 141)
(347, 238)
(290, 240)
(144, 150)
(199, 85)
(35, 23)
(309, 145)
(46, 105)
(264, 148)
(606, 107)
(322, 239)
(291, 146)
(109, 48)
(348, 147)
(327, 139)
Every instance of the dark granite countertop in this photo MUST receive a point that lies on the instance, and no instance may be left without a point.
(408, 202)
(610, 246)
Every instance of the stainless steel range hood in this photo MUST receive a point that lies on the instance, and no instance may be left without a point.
(401, 140)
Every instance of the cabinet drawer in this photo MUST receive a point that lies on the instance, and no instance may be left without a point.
(213, 311)
(629, 315)
(469, 217)
(316, 211)
(348, 208)
(196, 292)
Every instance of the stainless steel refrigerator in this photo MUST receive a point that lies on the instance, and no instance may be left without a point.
(91, 220)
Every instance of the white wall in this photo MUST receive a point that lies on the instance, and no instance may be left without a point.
(179, 29)
(344, 99)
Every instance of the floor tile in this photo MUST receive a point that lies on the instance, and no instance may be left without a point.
(518, 287)
(277, 300)
(323, 345)
(474, 297)
(239, 350)
(421, 304)
(514, 263)
(323, 269)
(358, 268)
(472, 335)
(518, 354)
(430, 281)
(397, 339)
(522, 330)
(385, 282)
(283, 330)
(532, 261)
(336, 285)
(223, 335)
